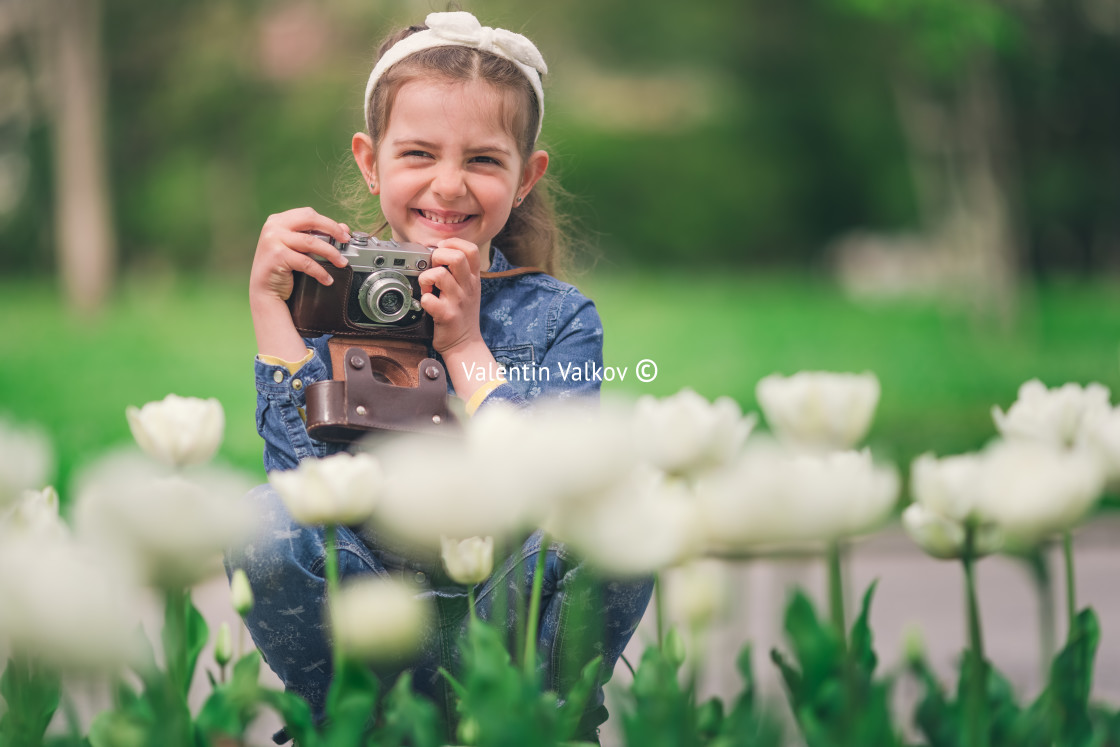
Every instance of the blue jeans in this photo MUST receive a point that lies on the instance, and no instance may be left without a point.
(582, 615)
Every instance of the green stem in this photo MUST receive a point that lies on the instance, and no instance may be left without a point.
(330, 545)
(470, 603)
(176, 645)
(1071, 586)
(1038, 560)
(976, 707)
(530, 659)
(659, 608)
(836, 591)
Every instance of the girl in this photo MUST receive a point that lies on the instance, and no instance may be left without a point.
(453, 111)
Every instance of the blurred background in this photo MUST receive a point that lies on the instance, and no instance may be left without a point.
(922, 188)
(927, 189)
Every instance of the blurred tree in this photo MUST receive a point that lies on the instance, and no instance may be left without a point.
(952, 109)
(751, 133)
(71, 49)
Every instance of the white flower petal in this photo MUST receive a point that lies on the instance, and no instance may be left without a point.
(178, 431)
(1052, 416)
(470, 561)
(377, 620)
(819, 410)
(685, 434)
(341, 489)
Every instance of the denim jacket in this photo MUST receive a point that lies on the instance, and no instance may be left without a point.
(545, 333)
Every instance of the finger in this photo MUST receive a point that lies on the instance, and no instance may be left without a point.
(434, 305)
(437, 277)
(307, 243)
(307, 219)
(309, 266)
(464, 248)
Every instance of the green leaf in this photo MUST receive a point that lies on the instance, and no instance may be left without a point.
(571, 712)
(351, 703)
(860, 647)
(296, 715)
(198, 633)
(32, 693)
(408, 718)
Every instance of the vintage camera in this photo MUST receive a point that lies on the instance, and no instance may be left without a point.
(377, 293)
(383, 377)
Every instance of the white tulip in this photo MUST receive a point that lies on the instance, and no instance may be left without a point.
(686, 434)
(340, 489)
(772, 496)
(819, 410)
(950, 486)
(470, 561)
(646, 523)
(26, 460)
(1033, 491)
(698, 592)
(66, 603)
(377, 620)
(1100, 436)
(35, 513)
(943, 537)
(1053, 416)
(172, 529)
(178, 431)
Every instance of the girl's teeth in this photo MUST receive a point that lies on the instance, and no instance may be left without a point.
(443, 219)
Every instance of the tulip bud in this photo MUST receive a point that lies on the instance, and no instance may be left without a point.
(914, 644)
(674, 648)
(468, 730)
(240, 592)
(178, 431)
(223, 645)
(470, 561)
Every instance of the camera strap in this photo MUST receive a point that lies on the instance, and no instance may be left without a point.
(514, 272)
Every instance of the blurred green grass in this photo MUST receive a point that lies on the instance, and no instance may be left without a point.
(941, 371)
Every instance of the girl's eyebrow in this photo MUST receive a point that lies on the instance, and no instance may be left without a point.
(425, 145)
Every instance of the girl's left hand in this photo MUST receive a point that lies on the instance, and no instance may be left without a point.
(456, 271)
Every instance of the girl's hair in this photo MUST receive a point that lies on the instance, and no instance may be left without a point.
(533, 234)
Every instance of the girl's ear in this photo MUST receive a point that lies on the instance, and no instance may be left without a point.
(533, 171)
(365, 157)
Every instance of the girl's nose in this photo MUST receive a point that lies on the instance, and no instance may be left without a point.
(449, 183)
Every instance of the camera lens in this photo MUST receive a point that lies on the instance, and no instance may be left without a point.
(385, 296)
(391, 302)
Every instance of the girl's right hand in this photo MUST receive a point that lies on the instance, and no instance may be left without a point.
(284, 248)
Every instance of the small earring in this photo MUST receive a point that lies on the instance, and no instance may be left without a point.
(519, 199)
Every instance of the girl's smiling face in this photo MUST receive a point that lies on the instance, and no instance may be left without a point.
(448, 166)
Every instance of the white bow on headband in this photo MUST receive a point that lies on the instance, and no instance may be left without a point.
(460, 28)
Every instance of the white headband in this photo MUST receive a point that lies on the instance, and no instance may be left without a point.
(461, 29)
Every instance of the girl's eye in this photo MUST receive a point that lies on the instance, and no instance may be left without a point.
(416, 154)
(487, 160)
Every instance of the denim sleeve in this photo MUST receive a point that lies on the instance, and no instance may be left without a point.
(281, 399)
(574, 353)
